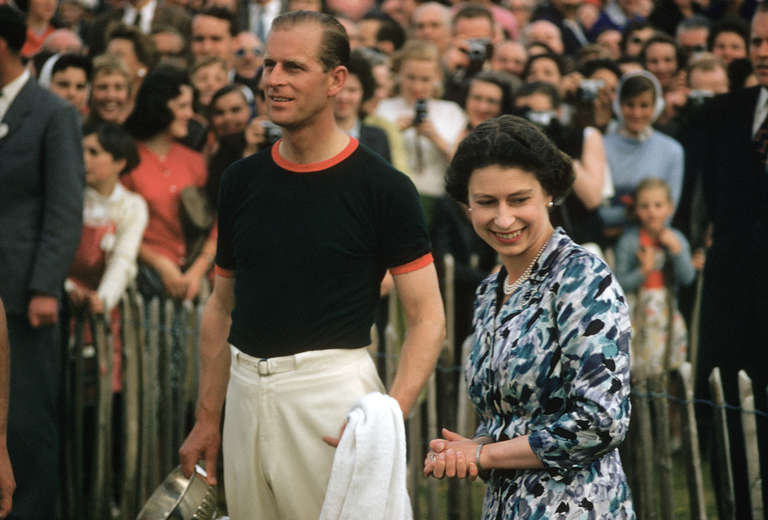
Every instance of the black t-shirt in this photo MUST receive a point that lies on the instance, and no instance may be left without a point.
(308, 246)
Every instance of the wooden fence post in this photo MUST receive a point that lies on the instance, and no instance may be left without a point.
(644, 454)
(149, 402)
(749, 427)
(691, 445)
(662, 443)
(727, 504)
(102, 461)
(131, 401)
(164, 373)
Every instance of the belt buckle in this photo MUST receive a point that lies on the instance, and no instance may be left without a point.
(263, 367)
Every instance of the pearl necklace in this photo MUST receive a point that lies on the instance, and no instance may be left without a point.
(509, 288)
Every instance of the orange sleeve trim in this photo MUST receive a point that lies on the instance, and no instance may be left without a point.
(312, 167)
(225, 273)
(413, 265)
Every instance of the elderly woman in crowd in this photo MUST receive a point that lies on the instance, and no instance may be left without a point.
(110, 90)
(431, 126)
(548, 372)
(163, 110)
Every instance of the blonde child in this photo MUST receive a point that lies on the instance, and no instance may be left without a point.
(652, 261)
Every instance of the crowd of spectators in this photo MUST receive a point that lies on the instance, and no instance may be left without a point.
(169, 96)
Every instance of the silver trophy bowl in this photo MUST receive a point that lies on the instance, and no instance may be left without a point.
(181, 498)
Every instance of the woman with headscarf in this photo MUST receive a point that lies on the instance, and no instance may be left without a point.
(635, 151)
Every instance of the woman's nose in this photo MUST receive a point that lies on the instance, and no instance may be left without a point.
(504, 219)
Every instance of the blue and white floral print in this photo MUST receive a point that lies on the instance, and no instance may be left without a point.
(553, 363)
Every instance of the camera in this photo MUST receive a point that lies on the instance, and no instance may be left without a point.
(589, 89)
(272, 132)
(419, 112)
(699, 97)
(477, 50)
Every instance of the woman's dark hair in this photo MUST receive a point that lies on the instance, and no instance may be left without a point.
(634, 86)
(514, 142)
(116, 141)
(728, 25)
(547, 56)
(500, 79)
(151, 114)
(361, 68)
(73, 61)
(666, 40)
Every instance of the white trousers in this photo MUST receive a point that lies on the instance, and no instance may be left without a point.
(276, 465)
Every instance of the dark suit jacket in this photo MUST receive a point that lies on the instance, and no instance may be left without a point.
(41, 195)
(165, 15)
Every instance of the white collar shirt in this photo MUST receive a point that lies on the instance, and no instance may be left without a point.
(147, 13)
(10, 91)
(761, 110)
(261, 16)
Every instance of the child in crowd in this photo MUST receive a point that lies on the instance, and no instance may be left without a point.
(652, 261)
(113, 224)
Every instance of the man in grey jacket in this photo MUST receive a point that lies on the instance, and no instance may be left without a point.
(41, 204)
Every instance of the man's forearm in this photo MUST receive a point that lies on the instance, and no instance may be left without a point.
(417, 361)
(214, 361)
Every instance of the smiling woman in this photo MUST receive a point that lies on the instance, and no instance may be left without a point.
(548, 372)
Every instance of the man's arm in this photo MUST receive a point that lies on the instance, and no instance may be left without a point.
(204, 440)
(419, 294)
(7, 482)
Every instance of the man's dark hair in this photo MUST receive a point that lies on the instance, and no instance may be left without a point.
(728, 25)
(76, 61)
(222, 14)
(591, 66)
(738, 71)
(13, 28)
(361, 68)
(151, 114)
(142, 44)
(540, 87)
(334, 48)
(223, 91)
(697, 21)
(391, 31)
(513, 142)
(471, 11)
(116, 141)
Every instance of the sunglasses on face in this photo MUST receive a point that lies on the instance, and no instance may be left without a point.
(242, 51)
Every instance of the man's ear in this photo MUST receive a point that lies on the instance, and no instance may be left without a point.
(338, 77)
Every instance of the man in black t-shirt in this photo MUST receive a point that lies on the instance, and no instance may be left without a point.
(307, 230)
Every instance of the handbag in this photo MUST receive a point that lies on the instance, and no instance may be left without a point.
(197, 217)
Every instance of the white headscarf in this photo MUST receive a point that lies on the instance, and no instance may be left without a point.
(658, 94)
(44, 78)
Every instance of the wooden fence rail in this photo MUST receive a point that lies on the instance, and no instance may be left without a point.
(160, 362)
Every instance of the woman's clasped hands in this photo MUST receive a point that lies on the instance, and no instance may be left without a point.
(453, 456)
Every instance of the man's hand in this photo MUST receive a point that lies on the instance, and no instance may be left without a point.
(331, 441)
(203, 442)
(43, 310)
(7, 482)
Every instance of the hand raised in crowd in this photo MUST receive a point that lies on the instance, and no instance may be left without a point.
(43, 310)
(646, 255)
(78, 294)
(95, 303)
(570, 83)
(453, 456)
(669, 240)
(603, 107)
(7, 483)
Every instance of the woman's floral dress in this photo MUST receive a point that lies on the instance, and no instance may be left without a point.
(553, 363)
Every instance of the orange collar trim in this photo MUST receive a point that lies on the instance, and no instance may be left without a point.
(313, 167)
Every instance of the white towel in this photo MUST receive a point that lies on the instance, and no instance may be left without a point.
(368, 474)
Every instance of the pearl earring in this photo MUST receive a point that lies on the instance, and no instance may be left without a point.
(550, 204)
